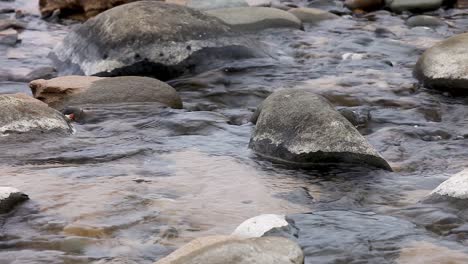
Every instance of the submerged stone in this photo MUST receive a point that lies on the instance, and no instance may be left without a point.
(454, 189)
(10, 198)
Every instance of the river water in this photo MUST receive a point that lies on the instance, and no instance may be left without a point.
(137, 181)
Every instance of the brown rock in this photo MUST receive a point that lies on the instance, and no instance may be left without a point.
(366, 5)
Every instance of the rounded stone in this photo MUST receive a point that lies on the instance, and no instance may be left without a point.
(366, 5)
(413, 5)
(258, 226)
(312, 15)
(453, 189)
(10, 198)
(425, 21)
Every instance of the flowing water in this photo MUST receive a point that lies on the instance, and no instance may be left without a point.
(136, 181)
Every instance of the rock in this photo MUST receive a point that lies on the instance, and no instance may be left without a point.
(358, 116)
(444, 66)
(312, 15)
(232, 250)
(77, 9)
(209, 4)
(45, 72)
(78, 90)
(256, 18)
(9, 198)
(9, 37)
(425, 21)
(320, 134)
(22, 113)
(454, 189)
(166, 48)
(413, 5)
(267, 224)
(365, 5)
(10, 23)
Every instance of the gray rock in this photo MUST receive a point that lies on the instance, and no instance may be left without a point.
(131, 39)
(10, 198)
(45, 72)
(358, 116)
(80, 90)
(232, 250)
(215, 4)
(22, 113)
(11, 23)
(425, 21)
(444, 66)
(256, 18)
(312, 15)
(455, 189)
(299, 128)
(266, 225)
(413, 5)
(9, 37)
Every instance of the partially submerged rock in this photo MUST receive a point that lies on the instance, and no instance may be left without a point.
(232, 250)
(312, 15)
(299, 128)
(256, 18)
(364, 5)
(266, 225)
(445, 66)
(452, 190)
(133, 40)
(10, 198)
(79, 90)
(22, 113)
(209, 4)
(413, 5)
(425, 21)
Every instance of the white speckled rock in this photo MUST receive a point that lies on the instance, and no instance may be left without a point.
(256, 18)
(260, 225)
(455, 188)
(299, 128)
(9, 198)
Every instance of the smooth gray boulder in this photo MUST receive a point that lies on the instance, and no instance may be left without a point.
(299, 128)
(312, 15)
(256, 18)
(445, 66)
(21, 113)
(80, 90)
(233, 250)
(425, 21)
(132, 39)
(209, 4)
(10, 198)
(455, 189)
(413, 5)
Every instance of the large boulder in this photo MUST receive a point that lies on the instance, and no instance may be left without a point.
(413, 5)
(77, 9)
(256, 18)
(132, 39)
(78, 90)
(299, 128)
(455, 189)
(312, 15)
(209, 4)
(21, 113)
(9, 198)
(232, 250)
(445, 65)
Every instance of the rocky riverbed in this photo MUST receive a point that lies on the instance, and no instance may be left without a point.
(138, 179)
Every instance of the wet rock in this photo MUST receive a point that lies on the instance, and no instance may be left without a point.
(227, 249)
(358, 116)
(78, 90)
(320, 134)
(22, 113)
(77, 9)
(256, 18)
(266, 225)
(425, 21)
(9, 37)
(209, 4)
(46, 73)
(365, 5)
(312, 15)
(11, 23)
(413, 5)
(454, 189)
(166, 48)
(443, 66)
(10, 198)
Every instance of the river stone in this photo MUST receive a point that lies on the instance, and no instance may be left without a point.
(312, 15)
(365, 5)
(9, 198)
(454, 189)
(78, 90)
(256, 18)
(8, 37)
(232, 250)
(77, 9)
(444, 66)
(166, 48)
(266, 224)
(425, 21)
(299, 128)
(413, 5)
(209, 4)
(22, 113)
